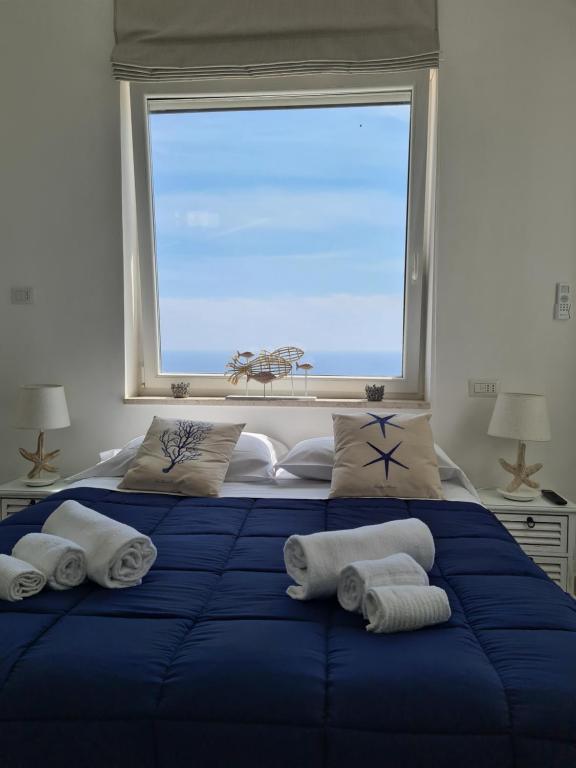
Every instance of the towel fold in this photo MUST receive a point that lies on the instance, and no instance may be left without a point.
(19, 579)
(404, 608)
(315, 561)
(357, 578)
(117, 555)
(62, 561)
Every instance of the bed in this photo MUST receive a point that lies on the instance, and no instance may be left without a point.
(209, 664)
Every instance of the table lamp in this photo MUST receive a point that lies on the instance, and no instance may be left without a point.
(41, 407)
(523, 417)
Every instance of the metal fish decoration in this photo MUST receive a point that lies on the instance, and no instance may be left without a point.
(267, 366)
(288, 353)
(264, 366)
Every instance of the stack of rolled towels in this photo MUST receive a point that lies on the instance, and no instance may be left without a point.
(380, 571)
(76, 542)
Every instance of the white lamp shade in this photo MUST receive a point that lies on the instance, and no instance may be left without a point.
(42, 406)
(521, 416)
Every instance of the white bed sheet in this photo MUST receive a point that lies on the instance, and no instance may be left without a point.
(285, 486)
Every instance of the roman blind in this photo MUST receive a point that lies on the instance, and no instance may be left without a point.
(191, 39)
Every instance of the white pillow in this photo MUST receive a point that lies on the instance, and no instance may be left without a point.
(113, 463)
(253, 460)
(449, 470)
(109, 454)
(313, 459)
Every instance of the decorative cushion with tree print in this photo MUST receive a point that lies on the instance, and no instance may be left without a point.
(180, 456)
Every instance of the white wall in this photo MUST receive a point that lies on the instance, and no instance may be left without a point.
(506, 222)
(506, 226)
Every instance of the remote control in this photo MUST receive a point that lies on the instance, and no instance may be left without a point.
(554, 498)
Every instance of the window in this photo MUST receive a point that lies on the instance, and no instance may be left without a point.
(283, 218)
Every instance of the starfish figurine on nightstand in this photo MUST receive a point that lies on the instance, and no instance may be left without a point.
(521, 471)
(39, 459)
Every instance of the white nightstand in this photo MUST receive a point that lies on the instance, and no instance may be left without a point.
(545, 531)
(16, 495)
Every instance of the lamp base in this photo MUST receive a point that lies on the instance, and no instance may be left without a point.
(38, 482)
(519, 495)
(43, 472)
(522, 475)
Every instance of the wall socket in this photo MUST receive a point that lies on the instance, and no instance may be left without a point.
(21, 294)
(483, 387)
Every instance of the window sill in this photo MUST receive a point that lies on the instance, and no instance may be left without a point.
(281, 403)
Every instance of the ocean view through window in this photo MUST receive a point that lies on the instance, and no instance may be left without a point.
(282, 226)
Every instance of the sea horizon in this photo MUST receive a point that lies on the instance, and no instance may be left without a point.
(326, 363)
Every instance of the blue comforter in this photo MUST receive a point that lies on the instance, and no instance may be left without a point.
(209, 664)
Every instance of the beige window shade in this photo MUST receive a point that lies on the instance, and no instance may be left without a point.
(190, 39)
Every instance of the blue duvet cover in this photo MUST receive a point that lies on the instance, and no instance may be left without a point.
(209, 664)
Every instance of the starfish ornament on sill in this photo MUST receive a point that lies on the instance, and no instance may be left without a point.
(520, 471)
(39, 459)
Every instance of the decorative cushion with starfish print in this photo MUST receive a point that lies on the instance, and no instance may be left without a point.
(185, 457)
(385, 454)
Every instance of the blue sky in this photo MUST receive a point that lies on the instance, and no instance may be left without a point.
(281, 226)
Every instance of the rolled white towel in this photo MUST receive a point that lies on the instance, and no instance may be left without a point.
(19, 579)
(356, 578)
(62, 561)
(315, 561)
(117, 555)
(404, 608)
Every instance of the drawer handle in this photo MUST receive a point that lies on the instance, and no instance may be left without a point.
(530, 522)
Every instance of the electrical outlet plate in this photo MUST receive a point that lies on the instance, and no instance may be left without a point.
(483, 387)
(21, 295)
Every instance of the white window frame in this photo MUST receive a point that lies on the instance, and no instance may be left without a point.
(306, 91)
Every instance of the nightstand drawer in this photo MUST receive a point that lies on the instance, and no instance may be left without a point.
(537, 533)
(10, 506)
(556, 568)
